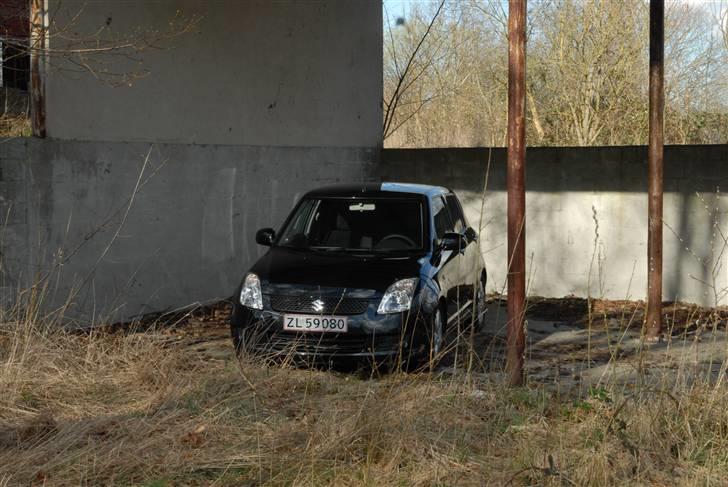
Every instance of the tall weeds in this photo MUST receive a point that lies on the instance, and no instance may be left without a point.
(157, 408)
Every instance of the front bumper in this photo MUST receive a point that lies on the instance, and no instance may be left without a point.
(369, 335)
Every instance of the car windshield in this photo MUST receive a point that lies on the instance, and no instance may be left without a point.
(372, 225)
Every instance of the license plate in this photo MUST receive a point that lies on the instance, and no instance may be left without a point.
(316, 323)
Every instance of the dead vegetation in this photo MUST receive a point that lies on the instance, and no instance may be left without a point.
(14, 118)
(572, 310)
(445, 73)
(173, 406)
(14, 125)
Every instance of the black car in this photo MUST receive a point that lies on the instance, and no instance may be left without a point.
(370, 271)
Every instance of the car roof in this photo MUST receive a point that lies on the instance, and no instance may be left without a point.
(376, 190)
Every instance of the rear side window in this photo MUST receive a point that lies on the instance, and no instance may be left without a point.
(456, 213)
(441, 217)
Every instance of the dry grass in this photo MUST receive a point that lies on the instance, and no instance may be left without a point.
(157, 408)
(14, 125)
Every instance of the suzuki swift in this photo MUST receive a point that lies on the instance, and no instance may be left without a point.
(370, 271)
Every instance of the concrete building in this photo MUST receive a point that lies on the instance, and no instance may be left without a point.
(254, 73)
(162, 159)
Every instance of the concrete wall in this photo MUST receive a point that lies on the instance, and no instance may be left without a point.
(14, 255)
(587, 216)
(128, 228)
(131, 228)
(253, 72)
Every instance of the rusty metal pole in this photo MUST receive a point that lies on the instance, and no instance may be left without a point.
(655, 170)
(515, 178)
(37, 48)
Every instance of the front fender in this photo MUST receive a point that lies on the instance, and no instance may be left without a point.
(427, 297)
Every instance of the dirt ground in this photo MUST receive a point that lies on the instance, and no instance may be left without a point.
(577, 343)
(571, 342)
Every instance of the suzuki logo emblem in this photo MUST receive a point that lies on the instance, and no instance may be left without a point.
(318, 306)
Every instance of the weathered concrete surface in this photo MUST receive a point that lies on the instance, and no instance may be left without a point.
(186, 233)
(587, 216)
(252, 72)
(14, 255)
(611, 353)
(129, 228)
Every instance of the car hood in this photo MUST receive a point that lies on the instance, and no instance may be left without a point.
(282, 266)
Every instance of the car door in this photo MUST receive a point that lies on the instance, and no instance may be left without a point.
(467, 269)
(449, 262)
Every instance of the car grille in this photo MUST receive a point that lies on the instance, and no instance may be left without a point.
(320, 343)
(327, 304)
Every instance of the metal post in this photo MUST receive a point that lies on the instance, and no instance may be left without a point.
(37, 75)
(655, 170)
(516, 189)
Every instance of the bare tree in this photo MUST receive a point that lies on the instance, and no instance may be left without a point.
(586, 83)
(63, 42)
(399, 106)
(586, 69)
(96, 50)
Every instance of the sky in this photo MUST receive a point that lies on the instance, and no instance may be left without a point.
(399, 8)
(394, 9)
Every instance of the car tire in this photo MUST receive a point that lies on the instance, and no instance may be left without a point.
(241, 342)
(237, 340)
(436, 340)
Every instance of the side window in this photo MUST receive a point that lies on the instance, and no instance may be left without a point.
(456, 213)
(441, 217)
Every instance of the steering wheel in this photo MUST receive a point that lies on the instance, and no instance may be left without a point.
(397, 236)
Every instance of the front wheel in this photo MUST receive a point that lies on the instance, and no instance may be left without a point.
(436, 339)
(244, 340)
(237, 339)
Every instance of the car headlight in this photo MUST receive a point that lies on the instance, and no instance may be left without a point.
(250, 294)
(398, 296)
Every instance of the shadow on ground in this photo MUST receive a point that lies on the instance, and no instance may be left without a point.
(569, 344)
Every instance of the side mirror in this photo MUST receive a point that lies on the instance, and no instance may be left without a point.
(453, 241)
(471, 234)
(265, 236)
